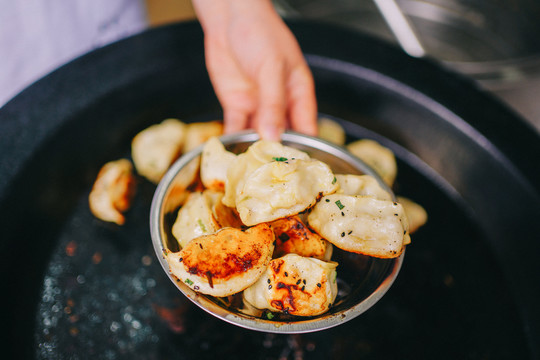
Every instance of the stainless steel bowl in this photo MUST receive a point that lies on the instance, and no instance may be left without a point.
(362, 280)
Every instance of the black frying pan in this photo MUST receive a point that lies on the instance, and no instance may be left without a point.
(75, 287)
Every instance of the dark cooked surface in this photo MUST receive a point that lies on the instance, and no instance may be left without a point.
(80, 288)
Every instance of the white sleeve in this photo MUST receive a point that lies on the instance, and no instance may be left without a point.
(38, 36)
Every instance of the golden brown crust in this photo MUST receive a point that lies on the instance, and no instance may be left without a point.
(226, 216)
(113, 191)
(225, 262)
(228, 253)
(299, 287)
(293, 236)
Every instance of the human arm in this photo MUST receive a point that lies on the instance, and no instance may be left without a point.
(257, 68)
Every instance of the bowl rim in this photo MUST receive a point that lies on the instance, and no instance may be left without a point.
(310, 324)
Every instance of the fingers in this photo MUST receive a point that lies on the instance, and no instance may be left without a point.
(234, 120)
(257, 69)
(270, 117)
(302, 102)
(235, 91)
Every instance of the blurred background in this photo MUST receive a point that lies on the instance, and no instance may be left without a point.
(495, 42)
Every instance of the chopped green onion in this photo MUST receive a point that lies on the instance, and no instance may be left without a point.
(201, 224)
(340, 205)
(189, 282)
(280, 158)
(334, 181)
(269, 315)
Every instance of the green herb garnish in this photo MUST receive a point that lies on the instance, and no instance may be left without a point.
(280, 158)
(201, 224)
(339, 205)
(189, 282)
(269, 315)
(334, 181)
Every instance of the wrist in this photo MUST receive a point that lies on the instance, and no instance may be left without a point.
(216, 15)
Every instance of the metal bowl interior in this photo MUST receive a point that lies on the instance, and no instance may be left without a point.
(362, 280)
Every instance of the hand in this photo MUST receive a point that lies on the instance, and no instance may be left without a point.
(257, 68)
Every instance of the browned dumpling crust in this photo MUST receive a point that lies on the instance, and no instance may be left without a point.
(226, 216)
(185, 182)
(295, 285)
(225, 262)
(113, 191)
(294, 237)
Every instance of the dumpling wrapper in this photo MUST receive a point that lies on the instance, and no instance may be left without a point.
(416, 214)
(259, 153)
(380, 158)
(330, 130)
(185, 182)
(295, 285)
(283, 188)
(224, 263)
(364, 185)
(113, 191)
(196, 218)
(363, 225)
(155, 148)
(226, 216)
(199, 132)
(215, 161)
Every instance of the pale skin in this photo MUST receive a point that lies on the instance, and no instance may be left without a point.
(257, 69)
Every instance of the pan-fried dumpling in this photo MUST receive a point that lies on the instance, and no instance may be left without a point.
(199, 132)
(113, 191)
(283, 188)
(416, 214)
(215, 161)
(155, 148)
(378, 157)
(364, 185)
(226, 262)
(182, 185)
(224, 215)
(293, 237)
(264, 151)
(196, 217)
(259, 153)
(361, 224)
(330, 130)
(295, 285)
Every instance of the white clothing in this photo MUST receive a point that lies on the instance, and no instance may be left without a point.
(38, 36)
